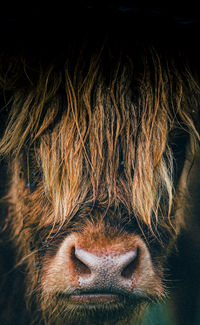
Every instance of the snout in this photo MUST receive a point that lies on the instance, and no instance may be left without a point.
(104, 270)
(92, 269)
(102, 276)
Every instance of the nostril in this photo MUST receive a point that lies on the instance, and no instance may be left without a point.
(80, 268)
(130, 269)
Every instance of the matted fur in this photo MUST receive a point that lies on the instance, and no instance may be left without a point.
(93, 128)
(144, 107)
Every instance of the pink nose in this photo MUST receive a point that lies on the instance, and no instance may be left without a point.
(105, 270)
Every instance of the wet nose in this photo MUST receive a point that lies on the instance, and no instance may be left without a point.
(104, 270)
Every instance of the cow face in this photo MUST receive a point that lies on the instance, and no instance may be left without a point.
(95, 197)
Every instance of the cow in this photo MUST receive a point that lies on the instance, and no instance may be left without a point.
(100, 159)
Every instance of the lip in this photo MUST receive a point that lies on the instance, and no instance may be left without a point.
(95, 298)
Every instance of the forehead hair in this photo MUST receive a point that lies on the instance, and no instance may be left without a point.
(99, 116)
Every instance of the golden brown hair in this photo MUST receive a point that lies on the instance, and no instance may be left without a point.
(93, 127)
(99, 124)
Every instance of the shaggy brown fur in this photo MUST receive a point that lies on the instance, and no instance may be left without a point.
(89, 139)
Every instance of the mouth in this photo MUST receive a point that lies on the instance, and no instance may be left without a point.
(102, 305)
(105, 298)
(96, 298)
